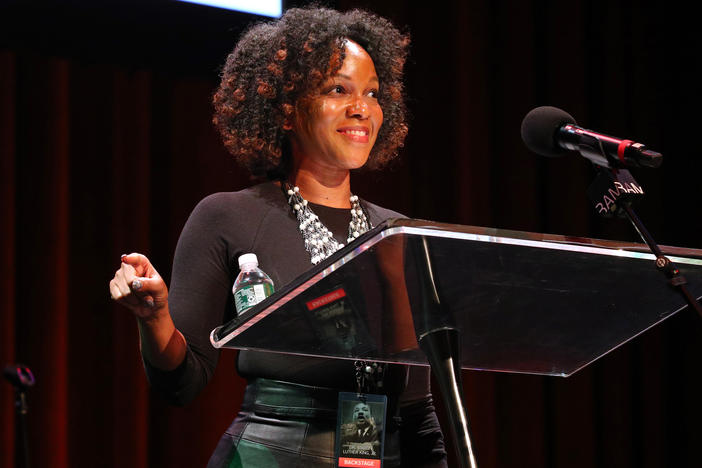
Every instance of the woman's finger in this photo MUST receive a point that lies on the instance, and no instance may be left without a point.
(115, 292)
(128, 268)
(147, 285)
(123, 280)
(141, 292)
(152, 291)
(140, 263)
(130, 300)
(148, 301)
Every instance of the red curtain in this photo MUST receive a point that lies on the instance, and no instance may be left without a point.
(83, 182)
(103, 156)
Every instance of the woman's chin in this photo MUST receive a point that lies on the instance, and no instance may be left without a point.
(356, 162)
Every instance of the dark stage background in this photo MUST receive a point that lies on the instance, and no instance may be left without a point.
(107, 145)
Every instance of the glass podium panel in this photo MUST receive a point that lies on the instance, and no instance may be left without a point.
(522, 302)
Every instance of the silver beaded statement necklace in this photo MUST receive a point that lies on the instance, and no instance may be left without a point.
(319, 241)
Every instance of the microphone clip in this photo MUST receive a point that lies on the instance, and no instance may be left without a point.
(611, 189)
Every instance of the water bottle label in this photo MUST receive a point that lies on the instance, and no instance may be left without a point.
(249, 296)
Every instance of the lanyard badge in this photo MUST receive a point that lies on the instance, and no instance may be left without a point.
(360, 430)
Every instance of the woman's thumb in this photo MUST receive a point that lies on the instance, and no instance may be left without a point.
(147, 285)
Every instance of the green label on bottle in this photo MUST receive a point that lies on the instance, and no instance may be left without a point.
(249, 296)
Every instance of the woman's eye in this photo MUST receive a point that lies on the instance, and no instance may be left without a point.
(337, 89)
(373, 93)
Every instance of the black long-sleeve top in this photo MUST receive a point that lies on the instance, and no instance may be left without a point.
(222, 227)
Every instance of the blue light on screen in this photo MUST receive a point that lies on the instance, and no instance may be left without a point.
(272, 8)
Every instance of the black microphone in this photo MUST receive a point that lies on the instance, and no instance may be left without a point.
(549, 130)
(19, 376)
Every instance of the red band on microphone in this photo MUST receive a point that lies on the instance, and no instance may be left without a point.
(623, 145)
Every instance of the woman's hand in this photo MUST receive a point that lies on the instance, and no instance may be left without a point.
(138, 286)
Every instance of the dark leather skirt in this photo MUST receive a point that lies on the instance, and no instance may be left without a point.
(289, 425)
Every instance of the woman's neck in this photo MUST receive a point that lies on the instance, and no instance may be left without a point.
(329, 190)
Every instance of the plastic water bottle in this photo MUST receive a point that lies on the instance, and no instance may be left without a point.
(252, 285)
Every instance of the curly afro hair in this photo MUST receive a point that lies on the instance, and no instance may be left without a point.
(276, 64)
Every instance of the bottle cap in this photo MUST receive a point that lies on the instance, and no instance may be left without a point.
(248, 258)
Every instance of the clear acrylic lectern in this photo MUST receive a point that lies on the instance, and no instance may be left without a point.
(421, 293)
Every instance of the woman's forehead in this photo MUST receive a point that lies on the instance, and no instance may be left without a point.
(356, 59)
(353, 47)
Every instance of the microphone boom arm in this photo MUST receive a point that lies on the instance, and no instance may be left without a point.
(613, 192)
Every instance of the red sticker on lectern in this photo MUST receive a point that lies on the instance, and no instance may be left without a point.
(356, 462)
(326, 299)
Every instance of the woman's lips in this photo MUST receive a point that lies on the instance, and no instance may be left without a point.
(357, 134)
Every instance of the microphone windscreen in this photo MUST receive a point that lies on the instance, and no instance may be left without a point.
(539, 129)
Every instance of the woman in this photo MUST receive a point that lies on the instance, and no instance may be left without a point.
(302, 102)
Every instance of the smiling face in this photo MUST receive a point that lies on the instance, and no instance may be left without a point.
(336, 127)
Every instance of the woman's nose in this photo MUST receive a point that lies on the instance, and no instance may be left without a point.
(358, 108)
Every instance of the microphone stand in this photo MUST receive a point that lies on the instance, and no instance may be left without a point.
(613, 192)
(21, 378)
